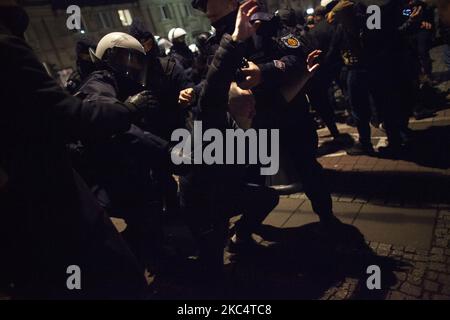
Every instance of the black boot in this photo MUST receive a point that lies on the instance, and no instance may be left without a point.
(360, 149)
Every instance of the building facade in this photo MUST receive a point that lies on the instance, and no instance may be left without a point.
(54, 43)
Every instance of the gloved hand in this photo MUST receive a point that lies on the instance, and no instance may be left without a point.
(143, 101)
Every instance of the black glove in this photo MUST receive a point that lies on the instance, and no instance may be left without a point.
(142, 102)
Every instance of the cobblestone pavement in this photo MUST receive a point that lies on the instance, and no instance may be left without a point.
(428, 274)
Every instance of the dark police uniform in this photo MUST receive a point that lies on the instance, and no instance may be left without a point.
(125, 167)
(213, 194)
(182, 53)
(281, 56)
(321, 37)
(83, 68)
(166, 77)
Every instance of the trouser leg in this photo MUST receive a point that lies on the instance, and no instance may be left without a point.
(360, 103)
(301, 145)
(254, 202)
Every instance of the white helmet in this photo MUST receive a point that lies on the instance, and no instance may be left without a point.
(324, 3)
(123, 54)
(193, 47)
(213, 31)
(176, 33)
(164, 45)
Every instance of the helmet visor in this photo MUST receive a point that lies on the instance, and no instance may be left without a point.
(130, 63)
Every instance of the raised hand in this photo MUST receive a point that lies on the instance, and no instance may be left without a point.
(416, 13)
(311, 64)
(244, 29)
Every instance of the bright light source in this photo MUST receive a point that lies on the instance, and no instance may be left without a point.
(83, 32)
(125, 17)
(310, 11)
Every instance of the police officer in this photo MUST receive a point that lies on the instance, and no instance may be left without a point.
(276, 58)
(213, 194)
(200, 66)
(50, 220)
(84, 67)
(172, 87)
(180, 50)
(320, 38)
(388, 68)
(125, 164)
(164, 46)
(169, 83)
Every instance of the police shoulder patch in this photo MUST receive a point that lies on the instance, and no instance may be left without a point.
(291, 41)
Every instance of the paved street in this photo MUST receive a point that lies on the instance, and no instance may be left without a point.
(401, 207)
(396, 215)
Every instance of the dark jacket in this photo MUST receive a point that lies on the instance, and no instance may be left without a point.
(122, 164)
(166, 78)
(49, 218)
(84, 67)
(267, 48)
(182, 53)
(279, 63)
(213, 112)
(321, 38)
